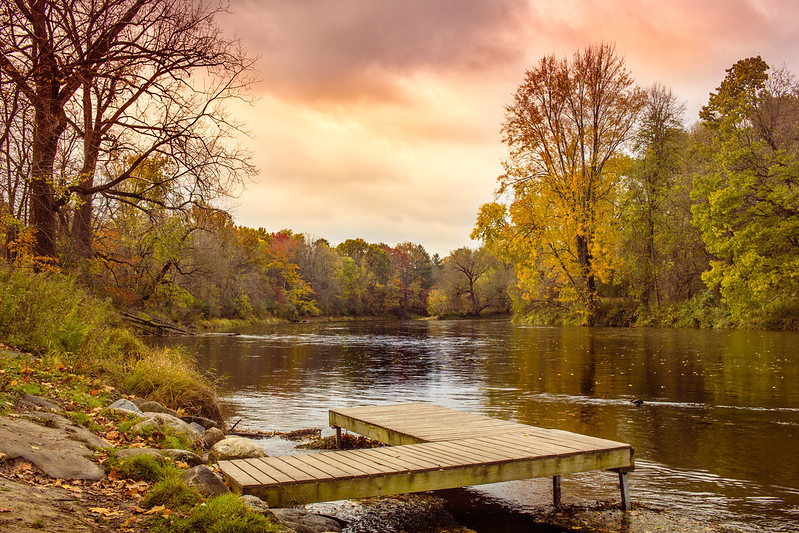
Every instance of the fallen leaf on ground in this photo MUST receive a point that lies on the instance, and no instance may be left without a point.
(23, 466)
(157, 509)
(104, 511)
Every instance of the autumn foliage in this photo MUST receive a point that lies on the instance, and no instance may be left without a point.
(613, 212)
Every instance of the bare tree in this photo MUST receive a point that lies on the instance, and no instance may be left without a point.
(140, 77)
(469, 266)
(15, 132)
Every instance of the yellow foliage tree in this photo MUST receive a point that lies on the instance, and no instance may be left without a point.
(565, 131)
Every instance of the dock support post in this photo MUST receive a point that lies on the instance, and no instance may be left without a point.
(556, 491)
(626, 504)
(338, 437)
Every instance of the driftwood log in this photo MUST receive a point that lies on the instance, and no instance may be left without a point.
(150, 325)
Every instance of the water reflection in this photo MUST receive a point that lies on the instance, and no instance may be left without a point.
(717, 431)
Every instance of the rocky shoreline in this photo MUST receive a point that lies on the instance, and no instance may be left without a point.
(42, 451)
(82, 461)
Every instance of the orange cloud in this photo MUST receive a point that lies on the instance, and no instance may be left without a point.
(381, 119)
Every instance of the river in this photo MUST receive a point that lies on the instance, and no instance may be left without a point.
(717, 436)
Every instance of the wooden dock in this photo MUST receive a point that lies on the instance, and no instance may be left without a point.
(432, 448)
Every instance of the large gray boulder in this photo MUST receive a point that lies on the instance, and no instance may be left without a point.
(71, 431)
(190, 458)
(155, 407)
(161, 421)
(210, 437)
(304, 522)
(54, 450)
(129, 453)
(256, 504)
(125, 406)
(204, 481)
(234, 448)
(206, 423)
(37, 402)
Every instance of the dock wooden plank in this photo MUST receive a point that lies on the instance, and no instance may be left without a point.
(533, 447)
(466, 456)
(238, 476)
(330, 469)
(400, 460)
(377, 466)
(296, 474)
(266, 469)
(397, 463)
(434, 448)
(298, 462)
(441, 460)
(345, 459)
(253, 472)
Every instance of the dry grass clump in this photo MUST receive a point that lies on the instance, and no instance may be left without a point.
(168, 376)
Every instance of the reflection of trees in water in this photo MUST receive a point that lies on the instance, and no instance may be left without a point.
(576, 379)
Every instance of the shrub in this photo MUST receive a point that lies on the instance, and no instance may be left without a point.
(49, 314)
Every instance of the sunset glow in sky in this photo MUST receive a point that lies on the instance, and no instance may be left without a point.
(380, 119)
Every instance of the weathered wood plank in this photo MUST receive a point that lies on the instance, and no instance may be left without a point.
(346, 459)
(385, 464)
(398, 462)
(297, 462)
(237, 476)
(404, 482)
(296, 474)
(441, 460)
(256, 473)
(331, 470)
(435, 448)
(266, 469)
(433, 457)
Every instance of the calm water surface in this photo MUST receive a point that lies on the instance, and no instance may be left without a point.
(717, 436)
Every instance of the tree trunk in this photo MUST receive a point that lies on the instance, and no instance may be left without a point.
(49, 124)
(43, 208)
(652, 296)
(590, 298)
(82, 223)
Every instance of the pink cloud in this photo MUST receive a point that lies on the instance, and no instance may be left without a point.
(354, 49)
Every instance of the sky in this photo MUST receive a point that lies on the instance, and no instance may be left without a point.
(380, 119)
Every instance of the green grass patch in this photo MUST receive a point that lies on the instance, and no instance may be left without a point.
(173, 494)
(175, 441)
(143, 468)
(223, 514)
(82, 419)
(47, 313)
(165, 437)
